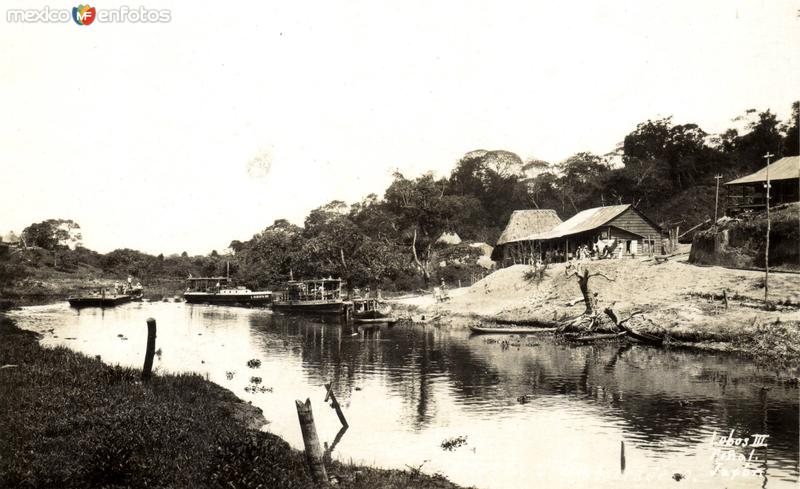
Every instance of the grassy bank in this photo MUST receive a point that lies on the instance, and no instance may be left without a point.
(677, 300)
(72, 421)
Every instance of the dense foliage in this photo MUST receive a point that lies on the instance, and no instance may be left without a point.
(391, 241)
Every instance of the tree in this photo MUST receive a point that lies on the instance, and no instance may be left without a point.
(52, 234)
(268, 257)
(791, 142)
(424, 212)
(763, 133)
(330, 241)
(582, 180)
(681, 149)
(496, 180)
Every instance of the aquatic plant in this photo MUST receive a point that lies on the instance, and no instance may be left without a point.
(451, 444)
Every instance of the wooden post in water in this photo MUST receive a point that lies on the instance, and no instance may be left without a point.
(311, 442)
(335, 405)
(621, 457)
(151, 349)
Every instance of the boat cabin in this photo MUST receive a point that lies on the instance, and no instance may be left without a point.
(327, 289)
(207, 284)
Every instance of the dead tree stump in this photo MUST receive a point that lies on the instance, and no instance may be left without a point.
(314, 454)
(151, 349)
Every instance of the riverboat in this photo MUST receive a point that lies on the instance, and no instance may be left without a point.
(100, 298)
(220, 291)
(321, 296)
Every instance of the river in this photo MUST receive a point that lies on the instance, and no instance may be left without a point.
(533, 412)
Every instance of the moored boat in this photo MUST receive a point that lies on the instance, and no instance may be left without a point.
(322, 296)
(220, 291)
(511, 330)
(368, 311)
(99, 300)
(119, 294)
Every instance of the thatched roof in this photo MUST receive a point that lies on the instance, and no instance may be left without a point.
(449, 238)
(527, 222)
(784, 169)
(10, 237)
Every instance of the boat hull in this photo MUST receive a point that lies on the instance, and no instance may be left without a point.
(92, 301)
(480, 330)
(310, 307)
(380, 320)
(246, 300)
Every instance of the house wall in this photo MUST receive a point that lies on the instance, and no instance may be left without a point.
(632, 221)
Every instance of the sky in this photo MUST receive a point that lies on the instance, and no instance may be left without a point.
(187, 134)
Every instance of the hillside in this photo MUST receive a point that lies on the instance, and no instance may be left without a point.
(679, 299)
(741, 242)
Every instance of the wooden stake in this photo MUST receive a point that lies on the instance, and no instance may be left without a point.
(335, 405)
(151, 349)
(766, 250)
(314, 454)
(621, 456)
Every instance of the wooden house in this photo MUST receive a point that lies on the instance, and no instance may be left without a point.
(621, 227)
(750, 192)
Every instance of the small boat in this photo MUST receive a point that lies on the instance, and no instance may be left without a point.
(120, 294)
(220, 291)
(384, 320)
(594, 337)
(323, 296)
(367, 311)
(527, 330)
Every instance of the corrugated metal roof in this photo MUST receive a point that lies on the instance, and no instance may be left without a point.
(784, 169)
(523, 223)
(581, 222)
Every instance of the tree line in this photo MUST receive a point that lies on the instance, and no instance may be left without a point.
(664, 168)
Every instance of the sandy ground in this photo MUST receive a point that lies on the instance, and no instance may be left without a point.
(675, 297)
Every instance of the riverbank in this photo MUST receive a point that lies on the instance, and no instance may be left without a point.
(680, 301)
(73, 421)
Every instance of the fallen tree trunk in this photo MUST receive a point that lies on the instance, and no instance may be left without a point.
(648, 338)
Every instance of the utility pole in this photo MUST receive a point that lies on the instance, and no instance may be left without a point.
(716, 201)
(766, 250)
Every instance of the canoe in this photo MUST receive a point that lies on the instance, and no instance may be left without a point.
(595, 337)
(387, 320)
(482, 330)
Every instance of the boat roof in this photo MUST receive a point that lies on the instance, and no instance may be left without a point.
(293, 282)
(209, 278)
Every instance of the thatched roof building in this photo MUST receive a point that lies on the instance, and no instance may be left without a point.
(624, 225)
(522, 224)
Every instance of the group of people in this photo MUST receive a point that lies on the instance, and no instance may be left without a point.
(602, 248)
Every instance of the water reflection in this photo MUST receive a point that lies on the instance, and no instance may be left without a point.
(534, 411)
